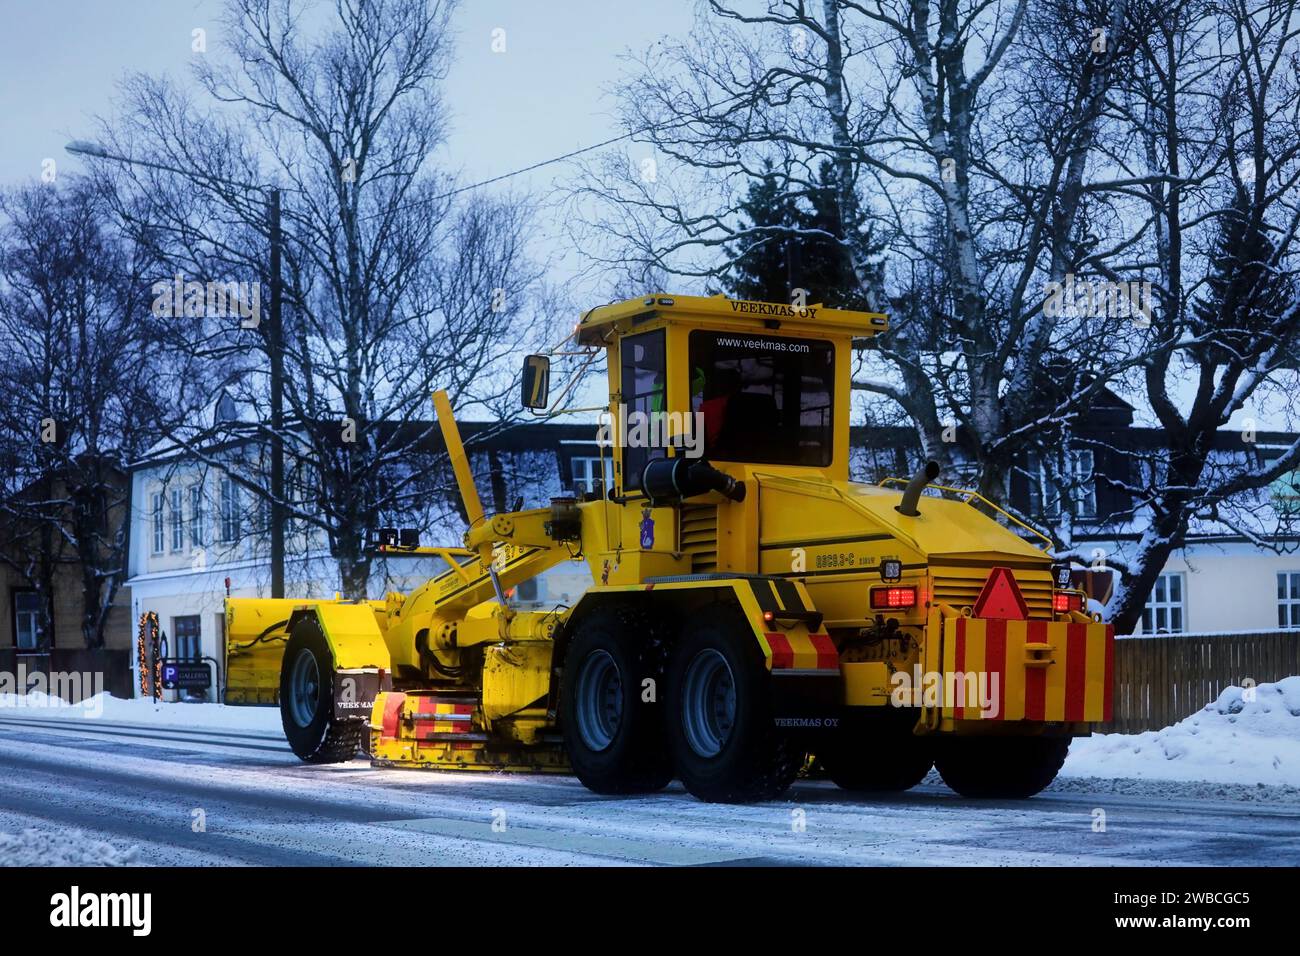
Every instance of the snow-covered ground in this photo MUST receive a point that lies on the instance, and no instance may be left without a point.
(141, 711)
(183, 784)
(50, 847)
(1240, 738)
(1232, 740)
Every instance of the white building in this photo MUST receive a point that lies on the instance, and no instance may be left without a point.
(197, 535)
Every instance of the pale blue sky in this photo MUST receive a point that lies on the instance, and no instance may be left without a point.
(60, 61)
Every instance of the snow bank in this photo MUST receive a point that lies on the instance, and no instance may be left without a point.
(34, 847)
(1232, 740)
(106, 707)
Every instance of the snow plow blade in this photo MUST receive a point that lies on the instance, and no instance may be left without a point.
(256, 632)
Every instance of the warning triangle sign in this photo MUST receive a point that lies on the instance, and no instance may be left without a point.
(1001, 598)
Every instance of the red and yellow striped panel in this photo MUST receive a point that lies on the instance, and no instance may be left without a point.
(390, 714)
(799, 650)
(1002, 677)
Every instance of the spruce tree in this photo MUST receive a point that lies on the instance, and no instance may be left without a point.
(1244, 293)
(780, 252)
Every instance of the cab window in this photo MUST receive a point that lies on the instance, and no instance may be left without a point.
(763, 399)
(643, 384)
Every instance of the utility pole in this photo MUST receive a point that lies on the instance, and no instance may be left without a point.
(274, 343)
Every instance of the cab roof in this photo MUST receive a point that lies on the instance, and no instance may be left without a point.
(599, 325)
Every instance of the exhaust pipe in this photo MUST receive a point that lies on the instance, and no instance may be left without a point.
(912, 493)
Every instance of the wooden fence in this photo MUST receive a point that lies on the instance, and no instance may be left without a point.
(1161, 680)
(113, 666)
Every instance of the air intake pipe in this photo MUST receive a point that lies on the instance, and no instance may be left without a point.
(912, 493)
(672, 479)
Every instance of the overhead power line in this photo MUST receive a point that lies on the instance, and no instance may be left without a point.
(578, 152)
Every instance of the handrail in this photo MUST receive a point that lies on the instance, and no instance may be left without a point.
(447, 554)
(970, 496)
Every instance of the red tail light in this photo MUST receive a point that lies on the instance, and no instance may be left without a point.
(893, 599)
(1064, 601)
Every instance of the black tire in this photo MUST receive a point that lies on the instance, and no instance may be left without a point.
(877, 753)
(725, 744)
(1012, 768)
(308, 718)
(614, 738)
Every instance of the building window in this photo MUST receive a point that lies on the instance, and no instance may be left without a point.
(1164, 613)
(229, 511)
(198, 517)
(527, 591)
(156, 511)
(1082, 486)
(27, 620)
(1073, 474)
(187, 644)
(178, 519)
(1288, 600)
(586, 474)
(1285, 492)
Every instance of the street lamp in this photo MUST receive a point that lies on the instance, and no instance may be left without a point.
(273, 335)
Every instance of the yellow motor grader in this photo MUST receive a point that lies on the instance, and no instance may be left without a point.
(749, 606)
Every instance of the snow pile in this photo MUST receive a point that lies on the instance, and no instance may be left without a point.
(34, 847)
(39, 706)
(1232, 740)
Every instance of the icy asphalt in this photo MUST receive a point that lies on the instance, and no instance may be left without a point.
(143, 794)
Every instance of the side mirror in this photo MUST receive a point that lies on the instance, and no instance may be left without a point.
(536, 386)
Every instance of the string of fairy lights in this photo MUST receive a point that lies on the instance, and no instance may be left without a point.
(148, 647)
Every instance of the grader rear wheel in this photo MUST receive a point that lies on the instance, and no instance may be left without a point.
(1008, 767)
(307, 700)
(724, 742)
(877, 753)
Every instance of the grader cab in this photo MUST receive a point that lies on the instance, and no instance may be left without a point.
(749, 605)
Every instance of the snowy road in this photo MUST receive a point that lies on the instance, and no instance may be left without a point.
(167, 795)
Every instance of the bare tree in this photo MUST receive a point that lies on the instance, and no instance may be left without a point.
(79, 406)
(395, 284)
(1214, 108)
(921, 108)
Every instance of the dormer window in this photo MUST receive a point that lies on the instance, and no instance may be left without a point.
(1063, 484)
(225, 409)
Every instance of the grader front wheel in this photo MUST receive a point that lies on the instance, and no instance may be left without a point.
(613, 731)
(307, 700)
